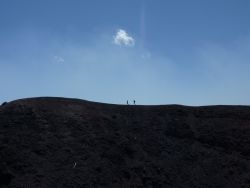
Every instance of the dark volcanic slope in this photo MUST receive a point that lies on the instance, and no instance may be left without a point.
(56, 142)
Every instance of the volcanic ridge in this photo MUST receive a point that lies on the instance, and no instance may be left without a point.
(60, 142)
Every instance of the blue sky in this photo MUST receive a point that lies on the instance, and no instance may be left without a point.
(154, 51)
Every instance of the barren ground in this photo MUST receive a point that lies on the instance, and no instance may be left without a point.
(58, 142)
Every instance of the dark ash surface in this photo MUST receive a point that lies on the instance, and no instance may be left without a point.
(58, 142)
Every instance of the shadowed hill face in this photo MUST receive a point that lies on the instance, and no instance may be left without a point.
(56, 142)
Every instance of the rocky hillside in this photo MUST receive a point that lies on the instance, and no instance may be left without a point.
(58, 142)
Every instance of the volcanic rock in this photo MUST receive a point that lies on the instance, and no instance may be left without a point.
(60, 142)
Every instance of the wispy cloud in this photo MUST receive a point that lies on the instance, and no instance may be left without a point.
(123, 38)
(146, 55)
(58, 59)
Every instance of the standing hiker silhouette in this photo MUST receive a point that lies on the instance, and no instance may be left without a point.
(127, 102)
(134, 102)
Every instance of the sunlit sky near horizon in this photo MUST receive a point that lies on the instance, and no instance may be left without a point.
(191, 52)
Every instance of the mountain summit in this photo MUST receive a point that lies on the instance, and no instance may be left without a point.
(60, 142)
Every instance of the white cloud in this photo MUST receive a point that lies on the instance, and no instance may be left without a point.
(58, 59)
(122, 38)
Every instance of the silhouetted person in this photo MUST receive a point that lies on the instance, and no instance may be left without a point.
(134, 102)
(127, 102)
